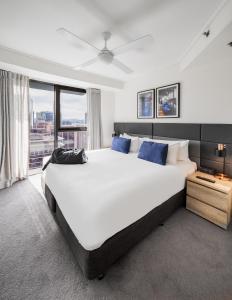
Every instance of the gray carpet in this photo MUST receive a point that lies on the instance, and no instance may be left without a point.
(187, 258)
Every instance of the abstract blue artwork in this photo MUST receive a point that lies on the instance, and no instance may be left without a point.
(145, 104)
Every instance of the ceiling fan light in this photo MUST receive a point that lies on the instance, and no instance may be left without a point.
(106, 57)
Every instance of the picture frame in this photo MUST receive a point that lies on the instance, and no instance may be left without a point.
(146, 104)
(168, 101)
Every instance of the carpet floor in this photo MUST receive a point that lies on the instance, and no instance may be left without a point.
(187, 258)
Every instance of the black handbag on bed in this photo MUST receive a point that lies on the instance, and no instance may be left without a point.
(67, 157)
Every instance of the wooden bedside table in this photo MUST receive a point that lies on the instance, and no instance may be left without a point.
(211, 201)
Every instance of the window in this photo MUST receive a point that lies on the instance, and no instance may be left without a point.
(71, 117)
(42, 137)
(72, 139)
(65, 127)
(73, 109)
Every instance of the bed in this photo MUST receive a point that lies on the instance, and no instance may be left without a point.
(96, 252)
(108, 205)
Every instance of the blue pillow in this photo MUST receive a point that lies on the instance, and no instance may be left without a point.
(154, 152)
(121, 144)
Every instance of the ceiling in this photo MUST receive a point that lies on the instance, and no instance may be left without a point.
(219, 50)
(29, 26)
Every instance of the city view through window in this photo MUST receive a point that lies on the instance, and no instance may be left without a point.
(73, 113)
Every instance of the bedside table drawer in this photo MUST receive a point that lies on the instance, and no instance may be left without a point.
(208, 212)
(207, 195)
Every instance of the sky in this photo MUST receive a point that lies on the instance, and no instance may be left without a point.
(72, 107)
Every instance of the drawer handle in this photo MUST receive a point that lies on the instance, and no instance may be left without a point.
(206, 179)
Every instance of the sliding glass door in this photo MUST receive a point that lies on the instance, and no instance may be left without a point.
(58, 118)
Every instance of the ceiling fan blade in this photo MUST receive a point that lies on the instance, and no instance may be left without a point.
(87, 63)
(121, 66)
(75, 40)
(140, 43)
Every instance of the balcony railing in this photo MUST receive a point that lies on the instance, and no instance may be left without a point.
(40, 148)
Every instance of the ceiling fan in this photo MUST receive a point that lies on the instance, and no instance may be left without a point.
(105, 55)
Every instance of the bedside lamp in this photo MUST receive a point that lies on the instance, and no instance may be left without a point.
(221, 152)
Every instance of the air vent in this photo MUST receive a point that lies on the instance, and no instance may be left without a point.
(230, 44)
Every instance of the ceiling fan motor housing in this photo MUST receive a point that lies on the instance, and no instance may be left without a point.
(106, 56)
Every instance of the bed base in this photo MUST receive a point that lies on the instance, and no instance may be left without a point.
(95, 263)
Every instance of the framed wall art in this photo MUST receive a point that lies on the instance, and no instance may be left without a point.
(168, 101)
(146, 104)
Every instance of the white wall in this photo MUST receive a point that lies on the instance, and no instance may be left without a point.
(206, 93)
(107, 116)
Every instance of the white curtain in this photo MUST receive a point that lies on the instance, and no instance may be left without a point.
(14, 127)
(94, 118)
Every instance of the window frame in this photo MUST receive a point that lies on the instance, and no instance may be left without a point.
(56, 110)
(58, 127)
(40, 85)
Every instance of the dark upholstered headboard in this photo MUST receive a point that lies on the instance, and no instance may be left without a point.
(138, 129)
(211, 135)
(179, 131)
(203, 139)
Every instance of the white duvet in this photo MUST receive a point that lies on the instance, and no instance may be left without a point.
(111, 191)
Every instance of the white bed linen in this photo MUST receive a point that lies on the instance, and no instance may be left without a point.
(111, 191)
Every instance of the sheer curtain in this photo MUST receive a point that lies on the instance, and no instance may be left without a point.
(94, 118)
(14, 127)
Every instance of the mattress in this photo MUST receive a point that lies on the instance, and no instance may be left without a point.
(111, 191)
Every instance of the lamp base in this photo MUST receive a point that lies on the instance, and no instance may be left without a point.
(222, 176)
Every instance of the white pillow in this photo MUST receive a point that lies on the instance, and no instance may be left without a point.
(173, 149)
(183, 154)
(183, 151)
(134, 146)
